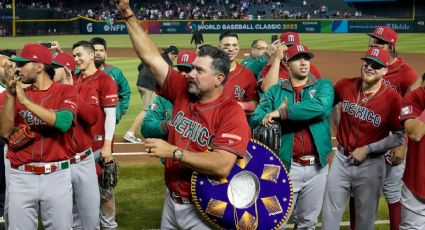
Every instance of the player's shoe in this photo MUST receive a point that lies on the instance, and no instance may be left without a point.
(130, 137)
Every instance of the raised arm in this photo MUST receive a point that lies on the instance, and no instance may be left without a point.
(144, 46)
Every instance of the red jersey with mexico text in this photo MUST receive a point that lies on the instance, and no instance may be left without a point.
(106, 90)
(400, 76)
(241, 84)
(80, 137)
(220, 124)
(365, 118)
(284, 72)
(49, 142)
(414, 173)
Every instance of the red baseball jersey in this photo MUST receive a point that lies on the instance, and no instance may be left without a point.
(365, 118)
(414, 173)
(284, 72)
(80, 137)
(241, 84)
(49, 142)
(2, 97)
(400, 76)
(220, 124)
(106, 91)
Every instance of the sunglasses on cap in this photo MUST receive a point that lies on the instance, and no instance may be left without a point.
(184, 69)
(373, 65)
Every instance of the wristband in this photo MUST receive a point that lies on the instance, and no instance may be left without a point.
(128, 17)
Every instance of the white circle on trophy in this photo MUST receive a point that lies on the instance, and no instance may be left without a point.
(243, 189)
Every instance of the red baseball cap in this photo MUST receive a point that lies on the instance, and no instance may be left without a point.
(290, 38)
(295, 50)
(34, 53)
(185, 59)
(64, 59)
(377, 55)
(385, 33)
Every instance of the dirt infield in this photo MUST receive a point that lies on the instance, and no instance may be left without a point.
(331, 64)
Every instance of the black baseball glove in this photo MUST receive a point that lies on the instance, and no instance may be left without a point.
(109, 176)
(270, 136)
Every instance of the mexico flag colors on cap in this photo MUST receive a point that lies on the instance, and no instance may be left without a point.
(185, 59)
(296, 50)
(385, 33)
(64, 59)
(290, 38)
(377, 55)
(34, 53)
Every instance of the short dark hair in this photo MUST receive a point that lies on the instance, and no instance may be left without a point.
(85, 44)
(50, 70)
(98, 41)
(221, 60)
(254, 43)
(8, 52)
(228, 33)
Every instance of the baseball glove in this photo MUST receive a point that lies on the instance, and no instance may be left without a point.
(270, 136)
(21, 137)
(109, 175)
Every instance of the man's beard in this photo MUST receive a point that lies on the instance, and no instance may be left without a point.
(99, 62)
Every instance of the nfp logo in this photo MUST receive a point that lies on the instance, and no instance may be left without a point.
(114, 28)
(379, 31)
(375, 52)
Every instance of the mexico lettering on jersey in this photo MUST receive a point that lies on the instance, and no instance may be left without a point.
(49, 143)
(217, 125)
(365, 118)
(241, 84)
(400, 76)
(412, 107)
(107, 93)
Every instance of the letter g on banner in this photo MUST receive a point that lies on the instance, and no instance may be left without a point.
(89, 27)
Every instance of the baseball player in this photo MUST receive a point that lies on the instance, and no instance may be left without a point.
(100, 56)
(271, 73)
(103, 130)
(79, 140)
(199, 102)
(400, 77)
(368, 115)
(158, 116)
(413, 190)
(39, 179)
(258, 51)
(302, 104)
(241, 83)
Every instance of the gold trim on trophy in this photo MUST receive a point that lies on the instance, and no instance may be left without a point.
(272, 205)
(271, 172)
(216, 208)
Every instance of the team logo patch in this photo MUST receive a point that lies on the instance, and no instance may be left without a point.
(312, 93)
(406, 110)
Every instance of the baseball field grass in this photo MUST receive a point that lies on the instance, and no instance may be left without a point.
(140, 192)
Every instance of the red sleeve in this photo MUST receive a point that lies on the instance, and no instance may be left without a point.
(174, 85)
(252, 90)
(315, 71)
(69, 99)
(395, 124)
(409, 77)
(412, 105)
(2, 96)
(108, 92)
(234, 132)
(88, 107)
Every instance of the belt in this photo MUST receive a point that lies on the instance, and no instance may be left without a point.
(43, 168)
(80, 156)
(306, 160)
(179, 199)
(341, 149)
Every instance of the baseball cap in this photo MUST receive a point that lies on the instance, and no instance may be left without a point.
(377, 55)
(185, 59)
(173, 50)
(290, 38)
(385, 33)
(296, 50)
(34, 53)
(64, 59)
